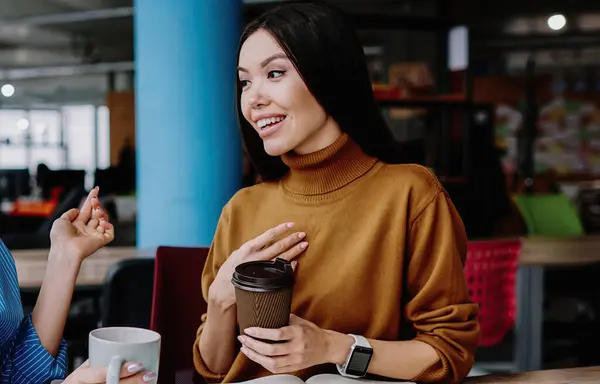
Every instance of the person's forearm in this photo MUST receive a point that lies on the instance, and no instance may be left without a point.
(217, 340)
(402, 360)
(50, 313)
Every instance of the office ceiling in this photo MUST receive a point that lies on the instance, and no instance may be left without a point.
(42, 41)
(41, 33)
(61, 32)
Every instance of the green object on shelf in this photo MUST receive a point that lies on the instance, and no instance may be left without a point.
(549, 215)
(503, 131)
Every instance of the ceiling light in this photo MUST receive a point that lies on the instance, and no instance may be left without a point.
(7, 90)
(557, 22)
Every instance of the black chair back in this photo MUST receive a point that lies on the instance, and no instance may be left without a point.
(127, 296)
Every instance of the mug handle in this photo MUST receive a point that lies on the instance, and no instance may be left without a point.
(113, 372)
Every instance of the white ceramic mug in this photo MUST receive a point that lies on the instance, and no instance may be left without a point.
(113, 346)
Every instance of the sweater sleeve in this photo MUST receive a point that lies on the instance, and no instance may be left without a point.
(439, 307)
(217, 255)
(25, 360)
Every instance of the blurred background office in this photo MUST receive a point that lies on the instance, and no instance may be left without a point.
(501, 99)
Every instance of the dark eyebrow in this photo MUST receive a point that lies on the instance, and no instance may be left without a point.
(266, 61)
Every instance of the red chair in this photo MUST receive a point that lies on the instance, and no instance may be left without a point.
(177, 306)
(491, 273)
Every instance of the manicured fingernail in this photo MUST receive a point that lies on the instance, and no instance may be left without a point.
(135, 367)
(149, 376)
(241, 339)
(294, 264)
(301, 235)
(304, 245)
(290, 225)
(248, 331)
(244, 350)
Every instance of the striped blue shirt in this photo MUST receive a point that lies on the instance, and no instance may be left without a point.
(23, 359)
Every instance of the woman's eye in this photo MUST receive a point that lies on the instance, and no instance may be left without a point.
(275, 74)
(244, 83)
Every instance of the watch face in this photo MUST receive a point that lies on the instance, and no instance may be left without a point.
(359, 361)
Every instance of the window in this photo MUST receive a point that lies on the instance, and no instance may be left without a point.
(45, 130)
(103, 137)
(13, 152)
(28, 138)
(79, 136)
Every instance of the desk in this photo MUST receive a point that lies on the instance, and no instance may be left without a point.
(589, 375)
(31, 264)
(560, 252)
(538, 253)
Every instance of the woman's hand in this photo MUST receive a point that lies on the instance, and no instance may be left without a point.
(304, 345)
(73, 237)
(80, 232)
(131, 373)
(262, 247)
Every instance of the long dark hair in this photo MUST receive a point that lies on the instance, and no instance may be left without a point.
(321, 42)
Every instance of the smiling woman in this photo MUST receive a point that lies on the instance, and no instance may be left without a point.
(378, 246)
(305, 62)
(277, 103)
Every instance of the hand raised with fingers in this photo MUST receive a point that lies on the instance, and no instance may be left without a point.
(80, 232)
(262, 248)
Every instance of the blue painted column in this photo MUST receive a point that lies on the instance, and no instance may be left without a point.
(187, 142)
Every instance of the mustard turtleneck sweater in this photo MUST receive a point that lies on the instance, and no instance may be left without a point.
(385, 259)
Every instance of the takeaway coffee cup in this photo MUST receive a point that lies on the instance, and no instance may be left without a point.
(263, 292)
(111, 347)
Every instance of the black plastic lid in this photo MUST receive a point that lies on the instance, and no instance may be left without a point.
(264, 275)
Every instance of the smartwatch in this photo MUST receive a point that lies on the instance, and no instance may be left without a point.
(357, 362)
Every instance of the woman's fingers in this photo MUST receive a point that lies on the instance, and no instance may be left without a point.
(130, 369)
(97, 211)
(70, 215)
(140, 378)
(267, 237)
(97, 375)
(93, 223)
(106, 231)
(265, 246)
(109, 234)
(100, 228)
(283, 247)
(294, 251)
(85, 213)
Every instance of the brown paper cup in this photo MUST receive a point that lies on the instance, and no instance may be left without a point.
(263, 292)
(263, 309)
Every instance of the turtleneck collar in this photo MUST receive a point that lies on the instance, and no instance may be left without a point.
(328, 169)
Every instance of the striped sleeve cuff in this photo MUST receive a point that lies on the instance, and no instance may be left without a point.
(32, 362)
